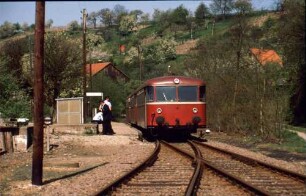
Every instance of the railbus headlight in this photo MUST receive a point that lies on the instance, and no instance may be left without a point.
(195, 110)
(159, 110)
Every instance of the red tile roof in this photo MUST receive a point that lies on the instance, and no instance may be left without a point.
(266, 56)
(96, 67)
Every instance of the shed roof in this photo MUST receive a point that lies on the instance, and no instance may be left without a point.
(264, 56)
(96, 67)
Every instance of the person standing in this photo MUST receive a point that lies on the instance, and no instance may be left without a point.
(99, 116)
(107, 117)
(106, 101)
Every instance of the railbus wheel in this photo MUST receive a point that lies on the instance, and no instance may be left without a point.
(153, 132)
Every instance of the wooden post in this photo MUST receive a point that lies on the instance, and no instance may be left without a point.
(84, 67)
(38, 136)
(7, 138)
(48, 138)
(8, 141)
(2, 147)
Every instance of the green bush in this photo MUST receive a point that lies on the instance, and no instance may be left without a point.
(14, 103)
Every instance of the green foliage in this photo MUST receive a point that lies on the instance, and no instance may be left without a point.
(62, 66)
(74, 26)
(106, 16)
(13, 50)
(201, 14)
(8, 29)
(295, 128)
(179, 15)
(238, 89)
(292, 29)
(292, 142)
(161, 21)
(115, 90)
(14, 103)
(221, 7)
(127, 24)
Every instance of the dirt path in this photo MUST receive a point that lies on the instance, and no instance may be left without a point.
(299, 133)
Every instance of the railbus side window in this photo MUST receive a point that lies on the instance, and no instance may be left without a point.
(140, 98)
(149, 93)
(133, 102)
(202, 93)
(188, 93)
(128, 103)
(165, 93)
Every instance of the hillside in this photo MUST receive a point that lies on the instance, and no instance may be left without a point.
(147, 35)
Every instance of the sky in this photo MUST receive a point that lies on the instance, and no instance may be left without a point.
(63, 12)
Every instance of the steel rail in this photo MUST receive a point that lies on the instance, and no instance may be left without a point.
(197, 174)
(273, 167)
(253, 188)
(196, 178)
(148, 162)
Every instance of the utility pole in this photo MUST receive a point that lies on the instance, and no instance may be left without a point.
(139, 49)
(84, 67)
(38, 136)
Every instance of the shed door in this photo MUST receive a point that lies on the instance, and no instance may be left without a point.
(69, 111)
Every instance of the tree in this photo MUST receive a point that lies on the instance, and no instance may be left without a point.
(92, 19)
(144, 18)
(178, 18)
(17, 26)
(74, 26)
(106, 17)
(162, 20)
(14, 102)
(14, 50)
(62, 67)
(292, 29)
(137, 14)
(201, 14)
(25, 26)
(222, 7)
(115, 89)
(191, 24)
(49, 23)
(239, 32)
(119, 12)
(127, 24)
(6, 30)
(179, 15)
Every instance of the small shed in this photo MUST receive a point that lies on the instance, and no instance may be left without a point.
(69, 111)
(107, 68)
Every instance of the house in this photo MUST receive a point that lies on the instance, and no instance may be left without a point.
(108, 69)
(264, 56)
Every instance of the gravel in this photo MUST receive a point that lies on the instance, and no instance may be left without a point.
(84, 164)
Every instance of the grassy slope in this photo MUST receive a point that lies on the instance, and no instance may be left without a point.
(292, 141)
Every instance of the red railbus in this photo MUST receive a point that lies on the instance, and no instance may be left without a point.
(169, 104)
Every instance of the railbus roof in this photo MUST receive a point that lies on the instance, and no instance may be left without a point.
(170, 81)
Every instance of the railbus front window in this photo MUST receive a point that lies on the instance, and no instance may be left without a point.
(149, 93)
(188, 93)
(165, 93)
(202, 93)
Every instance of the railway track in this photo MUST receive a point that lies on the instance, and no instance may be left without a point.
(269, 179)
(252, 176)
(205, 170)
(166, 172)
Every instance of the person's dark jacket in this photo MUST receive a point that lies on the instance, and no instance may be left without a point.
(107, 113)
